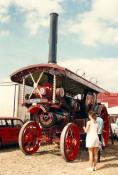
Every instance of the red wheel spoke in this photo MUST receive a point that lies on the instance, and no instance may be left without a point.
(70, 142)
(30, 137)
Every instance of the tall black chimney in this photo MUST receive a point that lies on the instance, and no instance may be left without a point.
(53, 38)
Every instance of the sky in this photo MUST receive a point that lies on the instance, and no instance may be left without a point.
(87, 37)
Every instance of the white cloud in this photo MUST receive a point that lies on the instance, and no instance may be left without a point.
(109, 13)
(104, 71)
(97, 25)
(4, 17)
(34, 22)
(4, 33)
(36, 11)
(43, 7)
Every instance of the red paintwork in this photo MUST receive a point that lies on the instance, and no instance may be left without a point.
(56, 69)
(31, 137)
(33, 109)
(48, 90)
(102, 111)
(110, 98)
(17, 75)
(53, 112)
(72, 142)
(9, 134)
(36, 108)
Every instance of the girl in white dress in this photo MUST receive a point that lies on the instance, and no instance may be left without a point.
(92, 140)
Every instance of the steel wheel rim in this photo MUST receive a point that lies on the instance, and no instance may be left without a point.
(30, 138)
(71, 142)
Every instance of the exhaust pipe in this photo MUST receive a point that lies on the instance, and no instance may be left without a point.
(53, 38)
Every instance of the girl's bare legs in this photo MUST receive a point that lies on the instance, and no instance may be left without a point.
(95, 151)
(91, 157)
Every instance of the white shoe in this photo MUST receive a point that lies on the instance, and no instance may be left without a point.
(90, 169)
(94, 168)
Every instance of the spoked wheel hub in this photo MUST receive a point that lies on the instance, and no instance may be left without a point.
(30, 137)
(47, 119)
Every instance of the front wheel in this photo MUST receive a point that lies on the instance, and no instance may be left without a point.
(70, 142)
(30, 137)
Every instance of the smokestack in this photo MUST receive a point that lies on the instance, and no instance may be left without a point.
(53, 38)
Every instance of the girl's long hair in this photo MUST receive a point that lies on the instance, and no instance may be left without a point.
(93, 115)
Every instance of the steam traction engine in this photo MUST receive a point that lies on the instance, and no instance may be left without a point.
(56, 113)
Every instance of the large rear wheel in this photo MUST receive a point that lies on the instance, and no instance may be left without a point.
(0, 143)
(30, 137)
(102, 111)
(70, 142)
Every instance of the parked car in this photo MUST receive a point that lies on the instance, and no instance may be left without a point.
(114, 130)
(9, 130)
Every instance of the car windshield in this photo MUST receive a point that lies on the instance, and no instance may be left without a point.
(8, 122)
(2, 123)
(11, 123)
(17, 123)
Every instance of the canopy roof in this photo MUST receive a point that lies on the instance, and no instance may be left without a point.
(71, 82)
